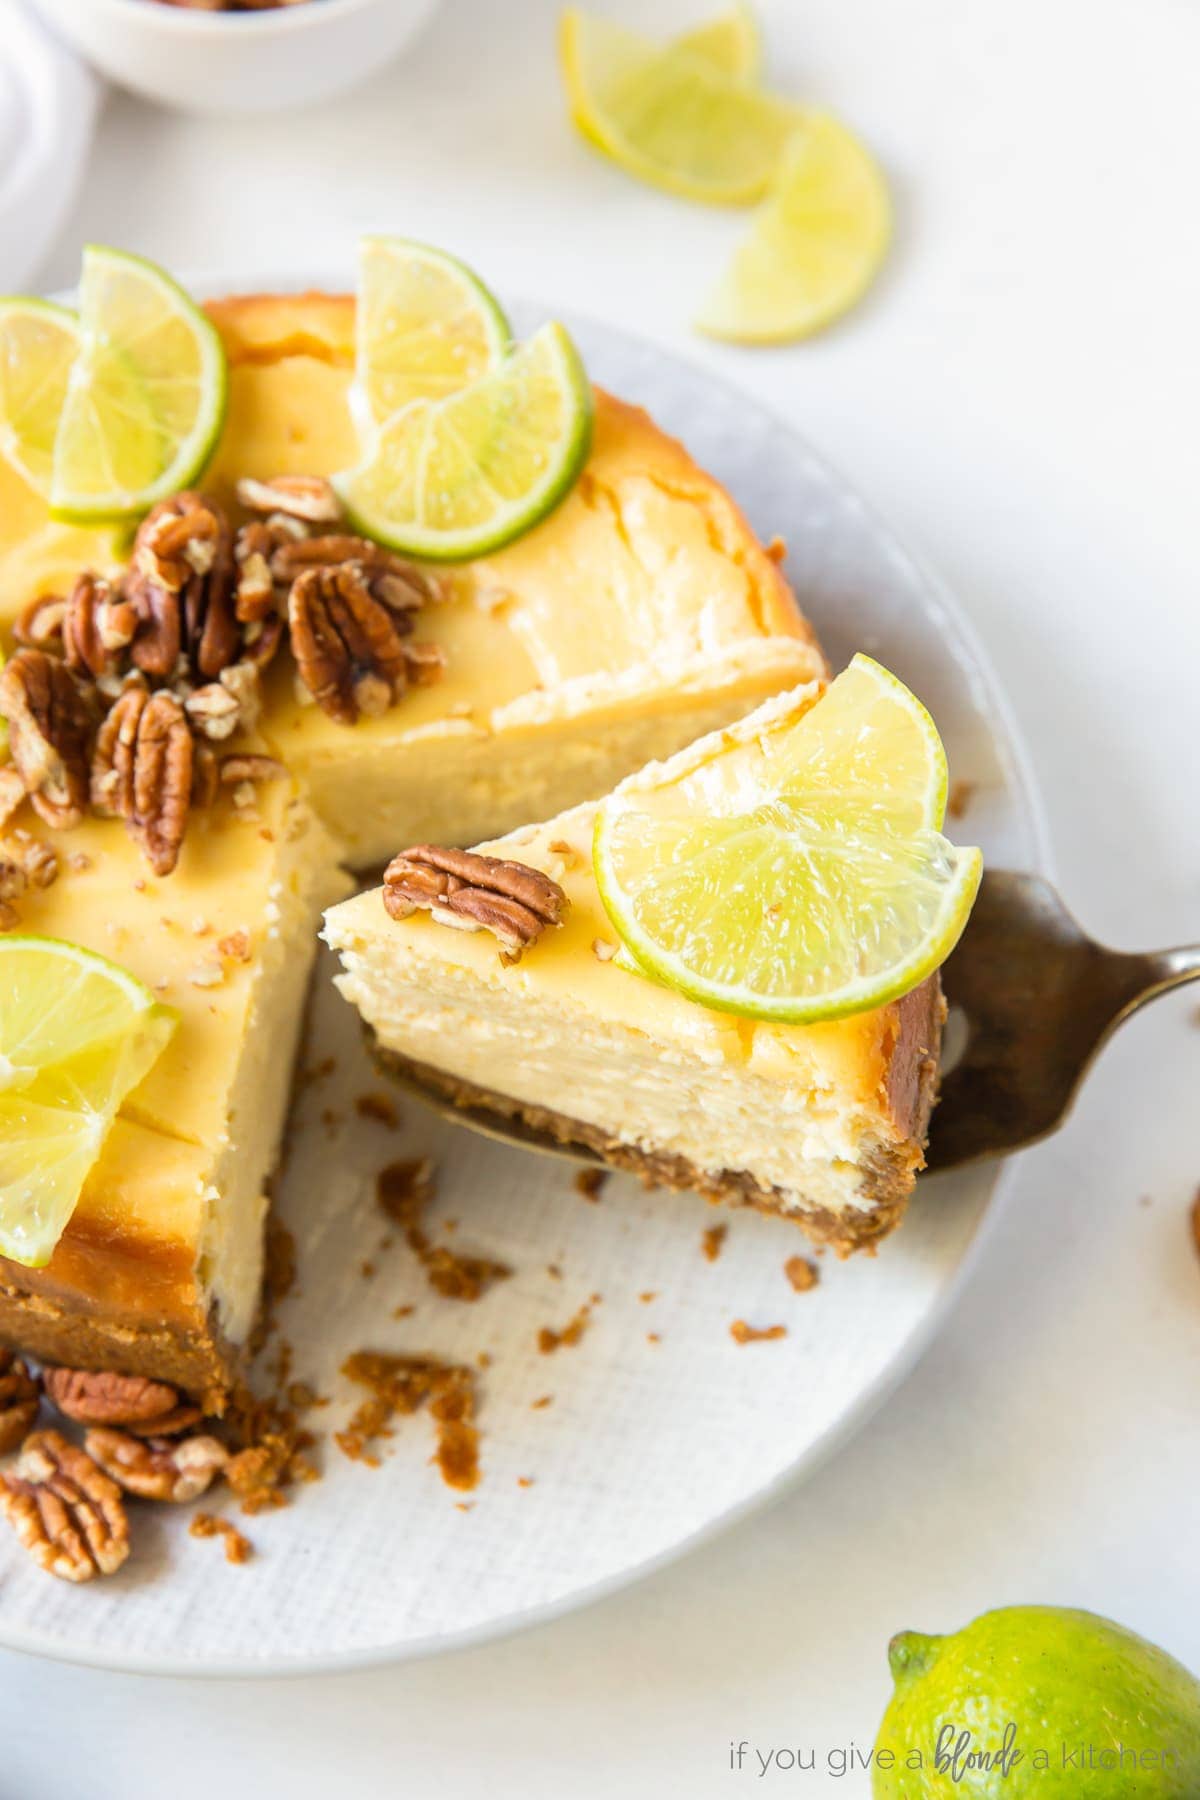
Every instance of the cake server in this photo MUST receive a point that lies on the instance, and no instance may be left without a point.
(1039, 999)
(1032, 1001)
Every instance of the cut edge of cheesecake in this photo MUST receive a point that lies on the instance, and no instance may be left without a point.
(824, 1123)
(159, 1269)
(888, 1167)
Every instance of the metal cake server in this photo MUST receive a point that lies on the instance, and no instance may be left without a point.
(1040, 1000)
(1034, 997)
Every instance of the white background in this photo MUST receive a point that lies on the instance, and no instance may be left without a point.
(1021, 398)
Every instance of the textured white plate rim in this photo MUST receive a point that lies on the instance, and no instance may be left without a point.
(476, 1637)
(1014, 755)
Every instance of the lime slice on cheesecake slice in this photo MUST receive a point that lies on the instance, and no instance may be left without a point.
(814, 246)
(427, 327)
(453, 479)
(792, 868)
(146, 398)
(38, 344)
(77, 1034)
(665, 114)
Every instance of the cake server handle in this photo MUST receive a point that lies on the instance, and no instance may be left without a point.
(1037, 1000)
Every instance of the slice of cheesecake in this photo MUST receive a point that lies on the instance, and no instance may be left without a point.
(825, 1123)
(160, 1268)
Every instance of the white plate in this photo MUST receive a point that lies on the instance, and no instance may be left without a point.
(648, 1448)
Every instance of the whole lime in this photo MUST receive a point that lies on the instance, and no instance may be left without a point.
(1035, 1703)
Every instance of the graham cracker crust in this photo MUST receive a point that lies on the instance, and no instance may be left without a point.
(889, 1169)
(193, 1358)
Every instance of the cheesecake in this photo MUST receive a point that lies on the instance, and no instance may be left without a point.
(642, 612)
(495, 980)
(159, 1270)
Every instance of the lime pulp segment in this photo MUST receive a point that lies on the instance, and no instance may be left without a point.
(458, 478)
(38, 345)
(146, 397)
(77, 1034)
(814, 245)
(795, 870)
(670, 116)
(729, 43)
(427, 327)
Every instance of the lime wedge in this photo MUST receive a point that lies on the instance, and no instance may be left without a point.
(146, 399)
(730, 44)
(453, 479)
(665, 114)
(38, 344)
(76, 1035)
(814, 246)
(427, 327)
(793, 867)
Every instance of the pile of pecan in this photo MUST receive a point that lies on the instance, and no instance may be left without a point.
(66, 1501)
(122, 693)
(513, 901)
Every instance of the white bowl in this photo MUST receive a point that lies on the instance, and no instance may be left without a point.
(251, 62)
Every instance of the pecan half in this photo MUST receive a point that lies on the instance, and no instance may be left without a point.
(261, 638)
(157, 1470)
(256, 596)
(13, 883)
(254, 769)
(167, 1425)
(12, 792)
(182, 589)
(65, 1510)
(177, 539)
(233, 703)
(97, 628)
(102, 1397)
(349, 652)
(142, 772)
(19, 1398)
(48, 733)
(460, 887)
(261, 590)
(401, 586)
(307, 497)
(39, 626)
(25, 862)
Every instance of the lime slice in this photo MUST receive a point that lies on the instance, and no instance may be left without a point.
(427, 327)
(667, 115)
(146, 399)
(814, 245)
(76, 1035)
(792, 868)
(38, 344)
(452, 479)
(729, 43)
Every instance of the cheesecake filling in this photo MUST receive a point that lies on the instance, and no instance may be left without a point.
(825, 1121)
(799, 1137)
(230, 1263)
